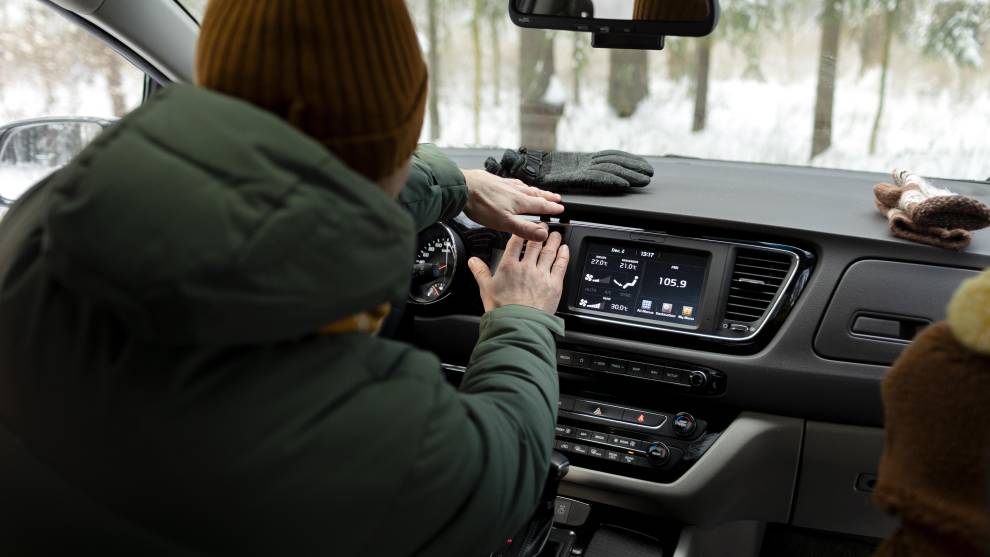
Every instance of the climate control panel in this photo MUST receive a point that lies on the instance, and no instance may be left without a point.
(679, 375)
(629, 441)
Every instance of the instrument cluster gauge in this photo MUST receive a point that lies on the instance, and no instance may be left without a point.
(438, 255)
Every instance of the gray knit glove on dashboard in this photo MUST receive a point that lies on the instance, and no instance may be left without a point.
(605, 172)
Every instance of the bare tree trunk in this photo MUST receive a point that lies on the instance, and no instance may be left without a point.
(434, 61)
(476, 91)
(493, 25)
(115, 86)
(871, 43)
(579, 58)
(537, 118)
(628, 80)
(677, 58)
(884, 69)
(703, 70)
(821, 138)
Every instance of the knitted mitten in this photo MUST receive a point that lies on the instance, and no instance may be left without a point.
(921, 212)
(928, 205)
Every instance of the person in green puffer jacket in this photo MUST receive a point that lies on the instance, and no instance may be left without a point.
(187, 310)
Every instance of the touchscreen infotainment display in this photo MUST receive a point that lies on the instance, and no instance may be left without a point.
(648, 282)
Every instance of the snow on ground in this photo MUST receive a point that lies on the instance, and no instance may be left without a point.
(936, 119)
(934, 134)
(15, 180)
(22, 98)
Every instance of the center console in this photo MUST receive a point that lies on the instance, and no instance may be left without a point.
(626, 413)
(610, 433)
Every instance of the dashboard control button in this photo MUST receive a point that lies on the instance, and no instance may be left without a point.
(598, 453)
(565, 403)
(598, 409)
(636, 369)
(617, 366)
(582, 434)
(654, 372)
(658, 454)
(641, 418)
(611, 455)
(598, 363)
(674, 375)
(600, 437)
(564, 445)
(684, 425)
(564, 430)
(633, 459)
(624, 442)
(582, 360)
(562, 507)
(565, 358)
(580, 449)
(697, 378)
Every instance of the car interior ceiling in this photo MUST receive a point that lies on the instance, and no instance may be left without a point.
(741, 416)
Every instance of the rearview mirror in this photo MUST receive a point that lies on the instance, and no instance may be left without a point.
(33, 149)
(636, 24)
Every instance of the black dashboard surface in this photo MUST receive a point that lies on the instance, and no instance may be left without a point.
(830, 212)
(752, 196)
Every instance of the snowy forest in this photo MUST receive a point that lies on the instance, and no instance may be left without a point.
(51, 67)
(858, 84)
(861, 84)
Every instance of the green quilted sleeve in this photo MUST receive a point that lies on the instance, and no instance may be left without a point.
(436, 189)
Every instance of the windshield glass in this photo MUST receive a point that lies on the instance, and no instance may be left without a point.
(852, 84)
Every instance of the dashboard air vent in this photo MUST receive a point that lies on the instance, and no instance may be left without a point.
(757, 277)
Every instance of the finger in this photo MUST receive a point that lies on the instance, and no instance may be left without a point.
(532, 254)
(526, 229)
(549, 252)
(559, 268)
(538, 206)
(492, 166)
(635, 179)
(618, 153)
(605, 182)
(632, 163)
(480, 270)
(513, 249)
(536, 192)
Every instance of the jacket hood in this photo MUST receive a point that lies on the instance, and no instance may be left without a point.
(200, 219)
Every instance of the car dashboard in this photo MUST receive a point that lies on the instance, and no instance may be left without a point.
(727, 330)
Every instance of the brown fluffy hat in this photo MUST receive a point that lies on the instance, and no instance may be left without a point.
(348, 73)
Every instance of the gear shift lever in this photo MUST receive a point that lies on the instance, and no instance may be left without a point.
(529, 541)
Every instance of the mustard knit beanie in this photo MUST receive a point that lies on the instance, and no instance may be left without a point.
(348, 73)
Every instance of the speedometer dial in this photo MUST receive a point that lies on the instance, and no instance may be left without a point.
(437, 257)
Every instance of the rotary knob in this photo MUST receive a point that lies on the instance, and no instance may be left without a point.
(684, 425)
(658, 454)
(698, 379)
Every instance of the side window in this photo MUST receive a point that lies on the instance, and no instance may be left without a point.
(59, 87)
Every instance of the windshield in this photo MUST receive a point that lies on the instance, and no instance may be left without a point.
(852, 84)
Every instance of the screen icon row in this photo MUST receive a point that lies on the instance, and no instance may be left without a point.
(668, 308)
